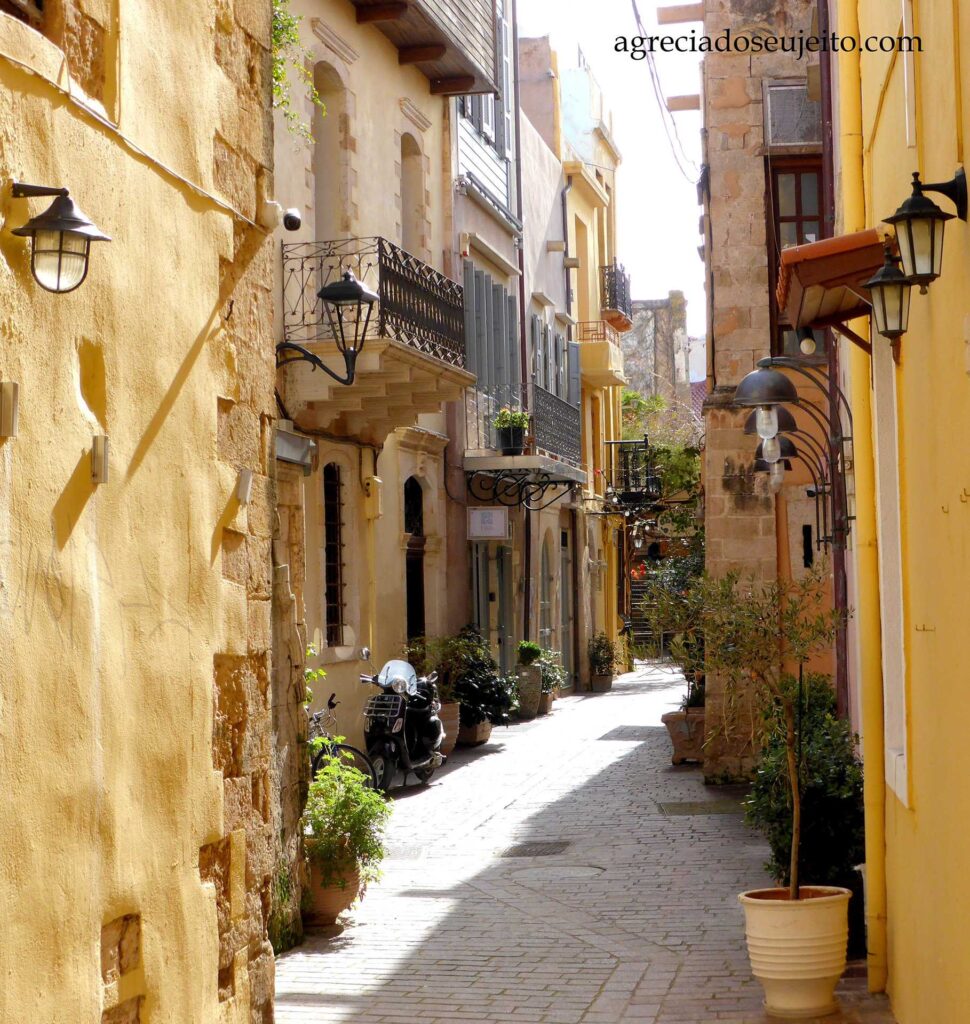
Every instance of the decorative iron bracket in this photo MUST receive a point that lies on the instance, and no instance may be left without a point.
(304, 355)
(516, 487)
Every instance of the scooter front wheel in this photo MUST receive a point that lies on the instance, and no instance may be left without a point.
(383, 768)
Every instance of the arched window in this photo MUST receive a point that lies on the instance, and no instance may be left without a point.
(414, 560)
(329, 154)
(412, 196)
(333, 554)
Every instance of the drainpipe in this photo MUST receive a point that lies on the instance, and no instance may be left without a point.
(869, 627)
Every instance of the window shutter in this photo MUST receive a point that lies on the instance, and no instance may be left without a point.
(476, 117)
(536, 335)
(472, 348)
(499, 327)
(572, 359)
(515, 364)
(480, 332)
(546, 358)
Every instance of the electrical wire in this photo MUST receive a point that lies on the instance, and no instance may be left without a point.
(687, 167)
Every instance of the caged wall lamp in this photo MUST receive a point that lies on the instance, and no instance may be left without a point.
(60, 239)
(348, 305)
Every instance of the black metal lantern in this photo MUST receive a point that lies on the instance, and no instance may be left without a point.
(889, 290)
(920, 223)
(60, 239)
(348, 305)
(765, 387)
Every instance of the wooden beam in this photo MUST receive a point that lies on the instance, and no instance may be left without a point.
(851, 335)
(679, 14)
(381, 12)
(675, 103)
(420, 54)
(457, 86)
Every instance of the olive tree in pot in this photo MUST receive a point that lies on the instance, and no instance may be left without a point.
(602, 662)
(758, 637)
(344, 822)
(529, 675)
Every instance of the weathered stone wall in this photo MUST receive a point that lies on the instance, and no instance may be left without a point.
(739, 512)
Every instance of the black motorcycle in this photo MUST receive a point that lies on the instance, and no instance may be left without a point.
(403, 732)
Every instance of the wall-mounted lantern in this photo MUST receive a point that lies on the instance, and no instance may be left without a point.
(889, 290)
(348, 305)
(60, 239)
(919, 225)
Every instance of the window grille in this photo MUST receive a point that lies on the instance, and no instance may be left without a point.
(333, 552)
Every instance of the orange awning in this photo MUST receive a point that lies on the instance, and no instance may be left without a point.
(821, 284)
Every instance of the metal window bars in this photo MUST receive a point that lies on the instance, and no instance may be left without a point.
(615, 283)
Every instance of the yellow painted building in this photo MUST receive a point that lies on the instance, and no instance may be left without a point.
(137, 834)
(898, 113)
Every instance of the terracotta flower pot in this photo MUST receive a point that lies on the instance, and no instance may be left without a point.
(327, 902)
(601, 683)
(545, 702)
(530, 690)
(797, 947)
(450, 719)
(474, 735)
(686, 729)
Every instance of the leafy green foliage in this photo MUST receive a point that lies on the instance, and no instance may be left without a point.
(552, 673)
(344, 822)
(311, 676)
(833, 834)
(289, 53)
(506, 418)
(529, 651)
(602, 655)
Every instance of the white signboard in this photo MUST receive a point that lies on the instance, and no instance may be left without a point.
(488, 523)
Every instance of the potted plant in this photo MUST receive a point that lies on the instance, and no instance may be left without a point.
(552, 677)
(511, 425)
(485, 699)
(443, 655)
(758, 637)
(529, 675)
(344, 822)
(602, 661)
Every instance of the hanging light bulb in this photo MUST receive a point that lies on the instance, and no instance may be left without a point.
(776, 476)
(638, 540)
(771, 449)
(766, 421)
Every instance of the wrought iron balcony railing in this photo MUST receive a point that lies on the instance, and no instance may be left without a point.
(554, 427)
(597, 330)
(616, 289)
(631, 475)
(416, 305)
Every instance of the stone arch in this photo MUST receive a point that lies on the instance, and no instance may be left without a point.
(413, 199)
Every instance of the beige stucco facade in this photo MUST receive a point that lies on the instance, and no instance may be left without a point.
(137, 837)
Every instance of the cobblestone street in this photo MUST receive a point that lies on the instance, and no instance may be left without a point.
(561, 874)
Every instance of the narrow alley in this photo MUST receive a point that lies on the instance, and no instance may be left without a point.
(564, 873)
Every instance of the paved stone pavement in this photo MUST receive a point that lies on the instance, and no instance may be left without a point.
(634, 920)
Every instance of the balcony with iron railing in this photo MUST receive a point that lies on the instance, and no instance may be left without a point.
(552, 439)
(413, 357)
(615, 301)
(600, 353)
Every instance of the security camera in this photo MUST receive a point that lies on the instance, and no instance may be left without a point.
(292, 219)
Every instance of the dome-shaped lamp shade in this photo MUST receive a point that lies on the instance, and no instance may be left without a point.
(919, 225)
(765, 386)
(889, 292)
(60, 240)
(786, 422)
(348, 305)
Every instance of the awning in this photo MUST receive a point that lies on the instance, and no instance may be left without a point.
(821, 284)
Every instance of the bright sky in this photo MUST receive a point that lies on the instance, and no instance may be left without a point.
(658, 212)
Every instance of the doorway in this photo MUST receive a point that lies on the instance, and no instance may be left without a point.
(566, 606)
(505, 625)
(414, 557)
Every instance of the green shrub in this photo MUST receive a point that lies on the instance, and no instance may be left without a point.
(552, 672)
(509, 418)
(529, 651)
(602, 655)
(344, 822)
(833, 834)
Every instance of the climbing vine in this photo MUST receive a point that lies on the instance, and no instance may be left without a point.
(289, 53)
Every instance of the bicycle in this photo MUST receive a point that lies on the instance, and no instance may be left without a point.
(323, 724)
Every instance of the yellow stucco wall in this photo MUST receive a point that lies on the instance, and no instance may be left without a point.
(927, 809)
(113, 599)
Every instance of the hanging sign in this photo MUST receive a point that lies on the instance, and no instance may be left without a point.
(488, 524)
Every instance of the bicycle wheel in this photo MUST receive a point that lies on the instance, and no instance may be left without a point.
(349, 755)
